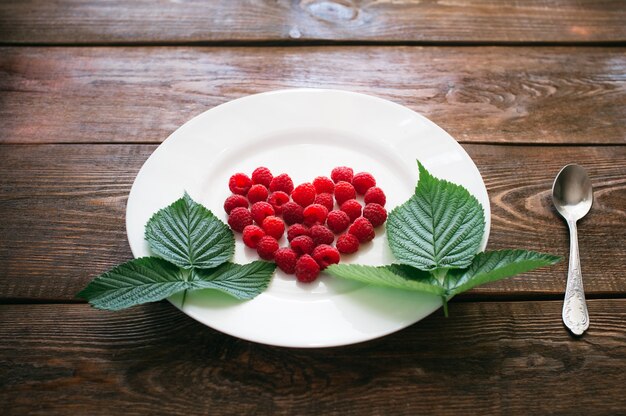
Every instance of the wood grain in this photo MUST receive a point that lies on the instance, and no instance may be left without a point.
(478, 94)
(487, 358)
(80, 22)
(63, 209)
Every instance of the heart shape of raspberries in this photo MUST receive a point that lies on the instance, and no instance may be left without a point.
(262, 206)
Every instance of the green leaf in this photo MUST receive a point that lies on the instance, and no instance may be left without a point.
(147, 279)
(189, 235)
(395, 276)
(441, 226)
(241, 281)
(495, 265)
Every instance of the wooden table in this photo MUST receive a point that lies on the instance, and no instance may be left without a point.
(88, 89)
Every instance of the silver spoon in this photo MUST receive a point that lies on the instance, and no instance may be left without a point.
(572, 196)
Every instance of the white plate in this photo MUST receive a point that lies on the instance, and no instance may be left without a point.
(303, 132)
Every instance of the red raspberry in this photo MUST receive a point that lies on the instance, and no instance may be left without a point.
(323, 185)
(285, 259)
(263, 176)
(362, 229)
(307, 269)
(283, 183)
(239, 218)
(321, 235)
(260, 210)
(315, 214)
(375, 213)
(352, 208)
(235, 201)
(362, 182)
(325, 255)
(273, 226)
(239, 183)
(342, 173)
(257, 193)
(297, 230)
(292, 213)
(344, 191)
(266, 247)
(326, 200)
(375, 195)
(347, 244)
(302, 244)
(304, 194)
(252, 234)
(277, 199)
(338, 221)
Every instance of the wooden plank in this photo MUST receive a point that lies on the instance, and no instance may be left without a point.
(487, 358)
(71, 21)
(478, 94)
(63, 210)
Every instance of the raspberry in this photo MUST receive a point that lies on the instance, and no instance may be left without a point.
(257, 193)
(304, 194)
(283, 183)
(273, 226)
(321, 235)
(263, 176)
(277, 199)
(375, 195)
(325, 255)
(375, 213)
(347, 244)
(239, 218)
(292, 213)
(285, 259)
(362, 229)
(266, 247)
(337, 221)
(307, 269)
(315, 214)
(344, 191)
(235, 201)
(352, 208)
(323, 185)
(302, 244)
(362, 182)
(297, 230)
(252, 234)
(342, 173)
(326, 200)
(239, 183)
(260, 210)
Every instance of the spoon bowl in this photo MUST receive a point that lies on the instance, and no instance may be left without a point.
(572, 193)
(572, 196)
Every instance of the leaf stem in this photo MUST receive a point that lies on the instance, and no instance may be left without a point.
(440, 274)
(445, 306)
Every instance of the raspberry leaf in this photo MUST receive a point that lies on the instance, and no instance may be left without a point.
(240, 281)
(149, 279)
(495, 265)
(440, 227)
(142, 280)
(189, 235)
(396, 276)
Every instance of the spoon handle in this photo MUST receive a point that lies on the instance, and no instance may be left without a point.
(575, 315)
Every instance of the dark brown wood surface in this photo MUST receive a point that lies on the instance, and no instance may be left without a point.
(486, 358)
(67, 205)
(88, 89)
(93, 21)
(478, 94)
